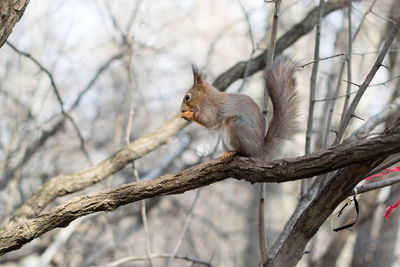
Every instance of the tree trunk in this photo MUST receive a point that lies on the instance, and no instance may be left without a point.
(10, 13)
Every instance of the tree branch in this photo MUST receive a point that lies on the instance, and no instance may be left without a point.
(65, 184)
(290, 37)
(292, 244)
(14, 235)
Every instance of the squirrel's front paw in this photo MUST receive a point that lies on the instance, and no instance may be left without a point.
(187, 115)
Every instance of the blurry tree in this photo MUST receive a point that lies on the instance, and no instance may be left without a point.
(83, 79)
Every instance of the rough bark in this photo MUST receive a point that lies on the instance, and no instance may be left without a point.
(361, 155)
(312, 211)
(11, 12)
(68, 183)
(291, 245)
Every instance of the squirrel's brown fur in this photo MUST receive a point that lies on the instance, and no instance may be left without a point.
(239, 118)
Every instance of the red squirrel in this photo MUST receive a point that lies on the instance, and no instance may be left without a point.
(238, 117)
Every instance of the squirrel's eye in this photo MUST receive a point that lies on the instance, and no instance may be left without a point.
(187, 97)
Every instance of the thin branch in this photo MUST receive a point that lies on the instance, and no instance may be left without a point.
(332, 103)
(348, 59)
(129, 70)
(274, 32)
(262, 243)
(155, 256)
(261, 223)
(333, 98)
(375, 120)
(383, 17)
(321, 59)
(94, 79)
(250, 31)
(385, 82)
(313, 85)
(46, 134)
(350, 112)
(182, 236)
(58, 96)
(254, 47)
(45, 70)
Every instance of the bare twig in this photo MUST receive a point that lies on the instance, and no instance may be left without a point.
(348, 59)
(58, 96)
(155, 256)
(350, 112)
(333, 98)
(375, 120)
(250, 30)
(94, 79)
(321, 59)
(182, 236)
(129, 45)
(45, 70)
(261, 224)
(313, 85)
(387, 19)
(262, 243)
(385, 82)
(332, 103)
(253, 45)
(274, 32)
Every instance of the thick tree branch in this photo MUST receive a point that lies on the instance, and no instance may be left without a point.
(65, 184)
(11, 12)
(14, 235)
(292, 245)
(312, 212)
(290, 37)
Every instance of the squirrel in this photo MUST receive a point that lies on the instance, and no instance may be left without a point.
(239, 118)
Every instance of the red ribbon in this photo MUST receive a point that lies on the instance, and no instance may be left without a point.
(391, 208)
(379, 176)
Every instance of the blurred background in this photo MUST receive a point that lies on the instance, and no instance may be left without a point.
(101, 54)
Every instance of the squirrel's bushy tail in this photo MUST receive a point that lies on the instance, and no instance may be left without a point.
(281, 84)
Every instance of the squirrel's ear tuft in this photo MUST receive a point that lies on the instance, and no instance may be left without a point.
(198, 78)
